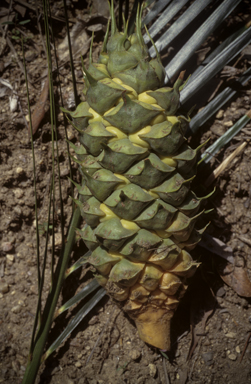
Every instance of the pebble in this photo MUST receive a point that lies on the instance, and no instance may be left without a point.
(19, 170)
(220, 114)
(208, 358)
(70, 134)
(78, 364)
(220, 292)
(18, 192)
(152, 370)
(135, 355)
(228, 123)
(238, 350)
(30, 55)
(231, 335)
(64, 171)
(16, 309)
(15, 365)
(7, 246)
(232, 356)
(10, 258)
(55, 370)
(58, 239)
(4, 287)
(18, 210)
(93, 320)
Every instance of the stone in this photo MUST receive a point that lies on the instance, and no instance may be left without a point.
(16, 309)
(231, 335)
(10, 258)
(135, 355)
(18, 192)
(7, 246)
(208, 358)
(19, 170)
(237, 349)
(228, 123)
(4, 287)
(220, 114)
(152, 370)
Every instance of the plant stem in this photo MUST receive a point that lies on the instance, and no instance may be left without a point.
(47, 318)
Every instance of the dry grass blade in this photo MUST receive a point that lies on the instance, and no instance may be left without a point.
(245, 347)
(202, 307)
(98, 339)
(245, 240)
(16, 56)
(216, 173)
(39, 111)
(217, 247)
(167, 381)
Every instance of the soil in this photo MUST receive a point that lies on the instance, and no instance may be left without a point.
(105, 347)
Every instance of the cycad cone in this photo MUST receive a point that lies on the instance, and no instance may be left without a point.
(137, 169)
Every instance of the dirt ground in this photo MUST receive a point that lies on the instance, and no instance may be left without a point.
(212, 327)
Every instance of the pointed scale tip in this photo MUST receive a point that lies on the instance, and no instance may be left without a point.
(113, 20)
(89, 77)
(139, 25)
(90, 53)
(182, 74)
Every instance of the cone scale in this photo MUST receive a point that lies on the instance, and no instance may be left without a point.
(137, 169)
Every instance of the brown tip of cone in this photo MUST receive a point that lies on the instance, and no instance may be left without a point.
(249, 114)
(182, 74)
(154, 326)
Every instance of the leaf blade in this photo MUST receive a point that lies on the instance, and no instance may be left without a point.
(74, 323)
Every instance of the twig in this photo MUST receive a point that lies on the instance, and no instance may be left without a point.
(22, 112)
(224, 165)
(98, 339)
(195, 359)
(244, 240)
(165, 371)
(245, 346)
(29, 6)
(7, 25)
(39, 27)
(27, 37)
(16, 56)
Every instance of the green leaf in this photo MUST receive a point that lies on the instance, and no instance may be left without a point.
(156, 9)
(188, 49)
(179, 25)
(24, 22)
(75, 321)
(164, 18)
(215, 104)
(223, 140)
(83, 260)
(7, 23)
(89, 288)
(216, 65)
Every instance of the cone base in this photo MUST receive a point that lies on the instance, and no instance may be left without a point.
(154, 326)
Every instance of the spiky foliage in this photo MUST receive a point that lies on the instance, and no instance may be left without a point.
(137, 168)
